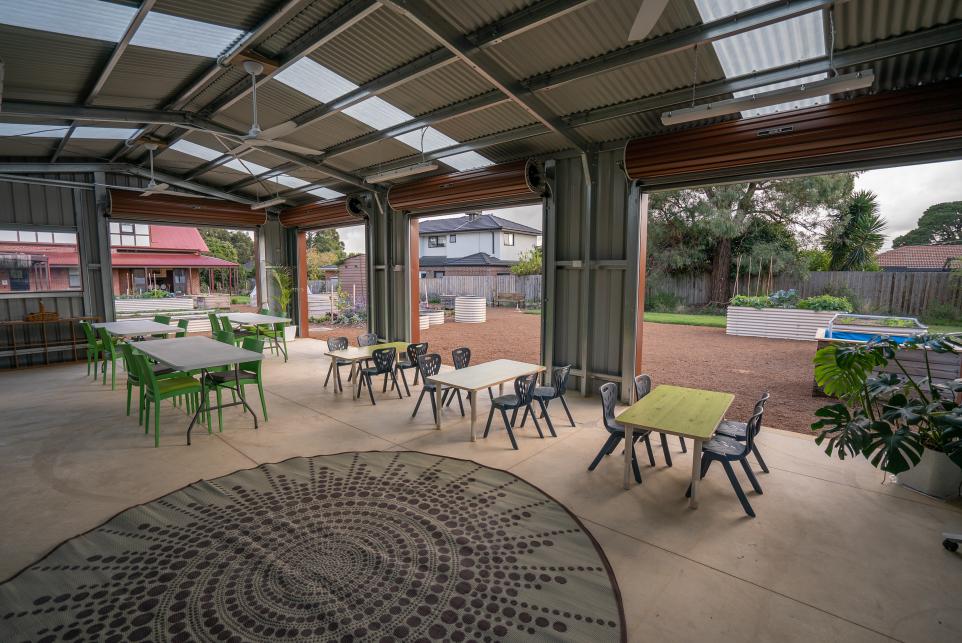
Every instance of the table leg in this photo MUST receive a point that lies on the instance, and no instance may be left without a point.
(501, 388)
(473, 399)
(695, 473)
(240, 394)
(629, 437)
(356, 374)
(337, 375)
(437, 405)
(203, 403)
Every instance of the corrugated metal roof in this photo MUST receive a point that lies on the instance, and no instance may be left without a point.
(370, 155)
(862, 21)
(276, 103)
(498, 118)
(221, 83)
(398, 41)
(330, 130)
(230, 13)
(298, 24)
(471, 16)
(146, 77)
(451, 83)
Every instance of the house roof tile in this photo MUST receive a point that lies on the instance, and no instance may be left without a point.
(934, 257)
(477, 259)
(467, 224)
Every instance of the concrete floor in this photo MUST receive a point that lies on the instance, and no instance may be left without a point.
(836, 553)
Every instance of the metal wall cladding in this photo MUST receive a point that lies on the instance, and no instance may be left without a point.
(240, 14)
(381, 42)
(48, 67)
(22, 203)
(590, 31)
(862, 21)
(452, 83)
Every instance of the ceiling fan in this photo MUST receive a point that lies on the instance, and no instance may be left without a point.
(648, 14)
(153, 187)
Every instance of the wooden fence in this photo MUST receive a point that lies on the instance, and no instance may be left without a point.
(482, 286)
(897, 293)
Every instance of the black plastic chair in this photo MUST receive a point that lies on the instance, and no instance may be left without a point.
(544, 394)
(616, 431)
(726, 450)
(336, 344)
(462, 359)
(413, 352)
(383, 359)
(739, 430)
(521, 399)
(643, 388)
(428, 366)
(367, 339)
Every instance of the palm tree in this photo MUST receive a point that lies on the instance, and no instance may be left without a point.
(856, 236)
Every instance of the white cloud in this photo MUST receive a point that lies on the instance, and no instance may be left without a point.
(905, 192)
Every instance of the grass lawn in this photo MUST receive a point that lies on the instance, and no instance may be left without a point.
(686, 319)
(938, 328)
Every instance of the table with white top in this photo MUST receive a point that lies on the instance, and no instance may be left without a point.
(477, 378)
(201, 353)
(356, 355)
(257, 319)
(136, 328)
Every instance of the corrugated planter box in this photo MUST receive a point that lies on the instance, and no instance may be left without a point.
(778, 323)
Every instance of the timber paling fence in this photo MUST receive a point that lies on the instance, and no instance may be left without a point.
(896, 293)
(482, 286)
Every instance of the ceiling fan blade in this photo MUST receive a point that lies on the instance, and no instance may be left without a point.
(648, 14)
(282, 129)
(284, 145)
(154, 189)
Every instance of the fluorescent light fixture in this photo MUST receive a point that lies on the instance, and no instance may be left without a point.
(401, 172)
(268, 204)
(839, 84)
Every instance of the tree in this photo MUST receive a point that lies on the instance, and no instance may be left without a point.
(940, 223)
(816, 260)
(697, 229)
(328, 240)
(222, 249)
(241, 241)
(529, 262)
(855, 236)
(316, 260)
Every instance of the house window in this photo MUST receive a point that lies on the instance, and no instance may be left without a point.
(129, 234)
(424, 274)
(436, 242)
(508, 238)
(39, 261)
(452, 238)
(438, 274)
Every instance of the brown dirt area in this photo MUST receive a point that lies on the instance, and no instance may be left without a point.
(690, 356)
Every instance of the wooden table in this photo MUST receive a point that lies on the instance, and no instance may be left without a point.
(675, 410)
(201, 353)
(477, 378)
(137, 328)
(355, 355)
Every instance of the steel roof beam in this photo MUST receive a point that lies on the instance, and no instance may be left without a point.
(437, 26)
(109, 114)
(263, 176)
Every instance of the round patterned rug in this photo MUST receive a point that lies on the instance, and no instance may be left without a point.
(376, 546)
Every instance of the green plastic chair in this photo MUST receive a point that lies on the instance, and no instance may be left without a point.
(183, 324)
(156, 390)
(161, 319)
(109, 349)
(215, 324)
(94, 348)
(276, 336)
(249, 373)
(133, 379)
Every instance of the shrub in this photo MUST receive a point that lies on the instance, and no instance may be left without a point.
(750, 302)
(662, 302)
(783, 298)
(825, 302)
(942, 314)
(240, 299)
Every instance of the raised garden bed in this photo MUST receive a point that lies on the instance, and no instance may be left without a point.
(777, 323)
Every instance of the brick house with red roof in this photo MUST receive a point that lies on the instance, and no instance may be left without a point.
(933, 258)
(143, 257)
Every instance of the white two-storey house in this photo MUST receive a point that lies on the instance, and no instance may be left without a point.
(474, 244)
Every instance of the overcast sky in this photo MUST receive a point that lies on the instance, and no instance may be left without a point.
(903, 195)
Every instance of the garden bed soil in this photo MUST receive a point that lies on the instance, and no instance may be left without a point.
(692, 356)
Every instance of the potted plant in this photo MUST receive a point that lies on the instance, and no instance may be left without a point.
(904, 425)
(284, 281)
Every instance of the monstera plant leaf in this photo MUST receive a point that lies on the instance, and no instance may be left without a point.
(901, 410)
(892, 449)
(885, 385)
(951, 425)
(843, 431)
(841, 371)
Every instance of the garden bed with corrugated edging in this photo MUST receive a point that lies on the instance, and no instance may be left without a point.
(776, 323)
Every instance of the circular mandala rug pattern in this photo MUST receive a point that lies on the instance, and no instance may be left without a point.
(374, 546)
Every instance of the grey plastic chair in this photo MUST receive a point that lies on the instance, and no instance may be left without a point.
(336, 344)
(739, 430)
(544, 394)
(413, 352)
(521, 399)
(428, 365)
(726, 450)
(643, 388)
(616, 431)
(383, 359)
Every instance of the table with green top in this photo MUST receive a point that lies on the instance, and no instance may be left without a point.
(676, 410)
(357, 355)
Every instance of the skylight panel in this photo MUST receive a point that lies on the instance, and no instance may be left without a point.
(173, 33)
(289, 181)
(247, 167)
(33, 130)
(325, 193)
(377, 113)
(466, 161)
(193, 149)
(104, 133)
(314, 80)
(84, 18)
(433, 140)
(108, 21)
(782, 43)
